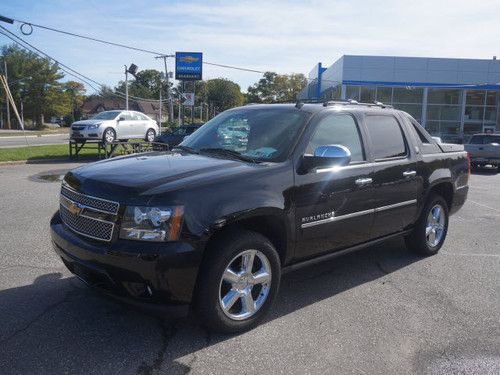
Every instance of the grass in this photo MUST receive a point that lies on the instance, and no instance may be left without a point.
(43, 152)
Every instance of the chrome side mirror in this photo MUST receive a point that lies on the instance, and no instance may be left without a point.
(327, 156)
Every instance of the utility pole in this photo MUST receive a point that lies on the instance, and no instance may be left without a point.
(169, 96)
(126, 87)
(7, 101)
(160, 109)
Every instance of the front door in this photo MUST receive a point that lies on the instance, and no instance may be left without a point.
(334, 207)
(395, 179)
(125, 127)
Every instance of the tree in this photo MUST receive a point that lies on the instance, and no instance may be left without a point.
(223, 94)
(35, 81)
(76, 92)
(147, 84)
(276, 88)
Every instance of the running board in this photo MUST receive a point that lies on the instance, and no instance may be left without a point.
(326, 257)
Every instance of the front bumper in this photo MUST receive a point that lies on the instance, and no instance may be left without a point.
(138, 272)
(86, 133)
(485, 161)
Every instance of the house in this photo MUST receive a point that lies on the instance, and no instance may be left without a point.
(95, 104)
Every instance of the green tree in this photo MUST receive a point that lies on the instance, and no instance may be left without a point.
(147, 84)
(76, 92)
(276, 88)
(223, 94)
(35, 82)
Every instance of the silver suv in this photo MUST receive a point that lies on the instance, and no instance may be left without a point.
(112, 125)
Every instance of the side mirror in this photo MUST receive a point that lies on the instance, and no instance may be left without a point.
(121, 118)
(327, 156)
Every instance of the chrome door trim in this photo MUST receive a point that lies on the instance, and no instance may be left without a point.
(395, 205)
(357, 213)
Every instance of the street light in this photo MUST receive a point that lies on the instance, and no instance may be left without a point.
(132, 70)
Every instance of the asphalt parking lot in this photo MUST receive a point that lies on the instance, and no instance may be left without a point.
(378, 311)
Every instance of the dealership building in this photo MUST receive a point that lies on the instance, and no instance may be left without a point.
(452, 98)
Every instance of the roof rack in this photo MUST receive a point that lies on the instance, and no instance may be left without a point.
(352, 101)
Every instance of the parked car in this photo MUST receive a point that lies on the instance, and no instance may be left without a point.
(109, 126)
(212, 227)
(484, 149)
(177, 135)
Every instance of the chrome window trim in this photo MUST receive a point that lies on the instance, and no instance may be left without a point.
(358, 213)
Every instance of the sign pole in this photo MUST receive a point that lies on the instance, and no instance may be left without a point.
(194, 98)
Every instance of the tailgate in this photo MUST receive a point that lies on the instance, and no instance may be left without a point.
(450, 147)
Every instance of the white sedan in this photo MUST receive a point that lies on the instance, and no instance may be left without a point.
(112, 125)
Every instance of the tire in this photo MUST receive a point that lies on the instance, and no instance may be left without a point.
(214, 289)
(421, 240)
(109, 135)
(150, 135)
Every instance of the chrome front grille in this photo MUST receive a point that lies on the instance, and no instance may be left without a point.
(99, 204)
(89, 216)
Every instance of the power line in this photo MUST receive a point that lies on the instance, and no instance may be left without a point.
(30, 28)
(70, 71)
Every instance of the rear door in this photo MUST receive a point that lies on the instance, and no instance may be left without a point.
(139, 124)
(334, 207)
(395, 179)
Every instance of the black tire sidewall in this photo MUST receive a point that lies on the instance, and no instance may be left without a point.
(207, 303)
(154, 135)
(104, 135)
(418, 239)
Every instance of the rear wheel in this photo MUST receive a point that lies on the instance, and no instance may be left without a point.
(238, 283)
(150, 135)
(431, 228)
(109, 135)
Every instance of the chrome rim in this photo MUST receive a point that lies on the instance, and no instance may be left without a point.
(245, 285)
(151, 135)
(434, 230)
(109, 136)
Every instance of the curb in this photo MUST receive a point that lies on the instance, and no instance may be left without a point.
(41, 161)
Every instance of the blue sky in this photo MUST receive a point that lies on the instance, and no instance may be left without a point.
(281, 36)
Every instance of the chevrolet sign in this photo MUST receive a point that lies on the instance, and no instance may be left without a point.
(188, 66)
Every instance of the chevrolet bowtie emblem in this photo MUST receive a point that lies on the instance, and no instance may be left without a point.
(75, 208)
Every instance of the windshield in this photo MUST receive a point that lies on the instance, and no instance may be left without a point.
(260, 134)
(108, 115)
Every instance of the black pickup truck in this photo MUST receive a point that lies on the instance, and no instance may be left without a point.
(213, 224)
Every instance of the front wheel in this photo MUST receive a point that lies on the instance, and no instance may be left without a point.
(238, 282)
(150, 135)
(109, 136)
(431, 228)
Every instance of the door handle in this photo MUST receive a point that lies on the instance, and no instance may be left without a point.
(363, 181)
(410, 173)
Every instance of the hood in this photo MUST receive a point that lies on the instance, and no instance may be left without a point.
(150, 174)
(87, 122)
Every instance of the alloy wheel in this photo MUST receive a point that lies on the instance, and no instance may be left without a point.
(245, 285)
(435, 225)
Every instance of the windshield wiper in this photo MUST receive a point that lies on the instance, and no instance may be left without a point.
(226, 152)
(186, 148)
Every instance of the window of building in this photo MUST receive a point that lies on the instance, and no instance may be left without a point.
(384, 94)
(443, 112)
(338, 129)
(475, 97)
(444, 96)
(415, 110)
(352, 92)
(367, 94)
(407, 95)
(386, 137)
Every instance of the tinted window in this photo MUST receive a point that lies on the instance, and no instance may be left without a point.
(477, 140)
(338, 129)
(126, 116)
(179, 131)
(108, 115)
(263, 134)
(141, 116)
(386, 137)
(419, 130)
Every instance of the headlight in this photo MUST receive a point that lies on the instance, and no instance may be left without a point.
(94, 126)
(152, 223)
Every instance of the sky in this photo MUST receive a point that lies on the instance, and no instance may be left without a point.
(280, 36)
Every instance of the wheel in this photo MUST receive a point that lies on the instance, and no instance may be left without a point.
(431, 228)
(238, 282)
(109, 135)
(150, 135)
